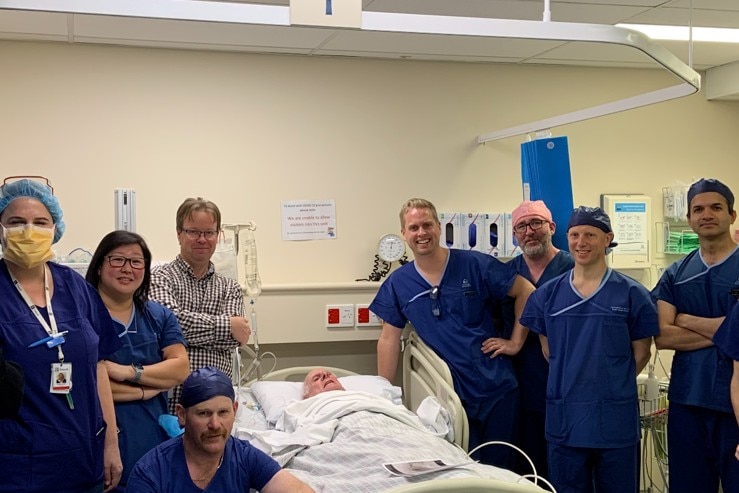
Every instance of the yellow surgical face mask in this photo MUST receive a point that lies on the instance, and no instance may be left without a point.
(28, 246)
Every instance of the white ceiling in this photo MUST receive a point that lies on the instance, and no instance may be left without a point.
(82, 27)
(239, 37)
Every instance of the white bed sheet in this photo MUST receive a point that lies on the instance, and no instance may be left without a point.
(350, 459)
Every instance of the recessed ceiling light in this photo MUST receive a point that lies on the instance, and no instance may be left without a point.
(682, 33)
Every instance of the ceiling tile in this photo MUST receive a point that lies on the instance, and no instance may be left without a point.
(158, 30)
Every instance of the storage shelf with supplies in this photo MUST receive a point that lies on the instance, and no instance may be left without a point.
(675, 202)
(679, 240)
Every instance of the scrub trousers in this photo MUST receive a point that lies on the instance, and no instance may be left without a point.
(700, 450)
(493, 419)
(531, 440)
(594, 470)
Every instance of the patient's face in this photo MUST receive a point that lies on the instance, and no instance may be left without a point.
(320, 380)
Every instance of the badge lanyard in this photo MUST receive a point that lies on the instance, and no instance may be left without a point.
(55, 338)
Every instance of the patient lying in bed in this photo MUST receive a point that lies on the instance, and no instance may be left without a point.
(336, 440)
(320, 380)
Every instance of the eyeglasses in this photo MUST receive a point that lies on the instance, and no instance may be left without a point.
(434, 295)
(41, 181)
(534, 224)
(118, 262)
(194, 234)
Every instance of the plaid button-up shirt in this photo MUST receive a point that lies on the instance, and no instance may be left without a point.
(204, 308)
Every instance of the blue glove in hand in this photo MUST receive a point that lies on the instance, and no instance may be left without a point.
(171, 425)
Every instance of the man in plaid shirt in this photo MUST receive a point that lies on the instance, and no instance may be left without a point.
(209, 306)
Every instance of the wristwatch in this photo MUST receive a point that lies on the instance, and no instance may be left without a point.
(138, 369)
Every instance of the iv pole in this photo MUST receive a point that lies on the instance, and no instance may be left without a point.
(253, 288)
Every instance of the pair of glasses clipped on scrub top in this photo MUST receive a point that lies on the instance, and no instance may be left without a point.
(434, 295)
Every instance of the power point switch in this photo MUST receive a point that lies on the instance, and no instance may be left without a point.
(365, 318)
(333, 316)
(339, 316)
(363, 315)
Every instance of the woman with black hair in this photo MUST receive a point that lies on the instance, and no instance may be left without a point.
(153, 358)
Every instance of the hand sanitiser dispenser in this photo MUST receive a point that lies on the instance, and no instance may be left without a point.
(125, 209)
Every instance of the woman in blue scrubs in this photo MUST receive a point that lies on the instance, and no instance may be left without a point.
(153, 358)
(51, 321)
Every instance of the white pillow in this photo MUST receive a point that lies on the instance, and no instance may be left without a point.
(373, 384)
(274, 396)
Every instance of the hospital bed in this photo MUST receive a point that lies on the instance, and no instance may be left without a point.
(426, 374)
(353, 458)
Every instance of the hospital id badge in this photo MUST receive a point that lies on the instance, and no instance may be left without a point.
(61, 378)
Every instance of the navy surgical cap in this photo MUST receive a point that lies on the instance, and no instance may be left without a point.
(591, 216)
(206, 383)
(35, 190)
(711, 185)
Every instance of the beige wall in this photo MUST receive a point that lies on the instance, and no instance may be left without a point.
(250, 131)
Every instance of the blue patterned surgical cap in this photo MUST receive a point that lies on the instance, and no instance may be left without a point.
(35, 190)
(591, 216)
(206, 383)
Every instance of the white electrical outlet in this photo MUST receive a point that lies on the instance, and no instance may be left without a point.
(339, 316)
(365, 318)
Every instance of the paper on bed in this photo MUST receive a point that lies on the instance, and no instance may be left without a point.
(363, 441)
(413, 468)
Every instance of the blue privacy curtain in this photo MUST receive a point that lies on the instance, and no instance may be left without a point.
(545, 172)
